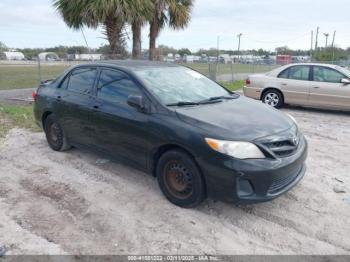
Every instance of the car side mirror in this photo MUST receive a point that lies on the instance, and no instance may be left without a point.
(137, 102)
(345, 81)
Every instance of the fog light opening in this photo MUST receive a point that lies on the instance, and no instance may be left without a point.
(245, 188)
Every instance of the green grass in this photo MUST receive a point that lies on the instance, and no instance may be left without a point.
(16, 116)
(237, 85)
(224, 69)
(13, 76)
(26, 76)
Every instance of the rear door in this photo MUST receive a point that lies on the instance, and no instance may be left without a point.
(295, 84)
(119, 129)
(73, 104)
(327, 89)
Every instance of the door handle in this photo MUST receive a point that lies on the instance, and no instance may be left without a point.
(316, 87)
(58, 98)
(284, 84)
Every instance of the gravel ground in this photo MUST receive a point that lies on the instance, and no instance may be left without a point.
(76, 203)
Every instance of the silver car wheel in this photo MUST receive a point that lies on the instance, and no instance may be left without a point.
(271, 99)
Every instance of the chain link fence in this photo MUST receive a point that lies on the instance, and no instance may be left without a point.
(27, 74)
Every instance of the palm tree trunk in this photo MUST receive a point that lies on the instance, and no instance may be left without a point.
(136, 40)
(114, 36)
(154, 28)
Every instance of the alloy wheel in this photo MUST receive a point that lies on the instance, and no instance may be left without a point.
(271, 99)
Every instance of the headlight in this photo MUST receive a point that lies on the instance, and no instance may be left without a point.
(237, 149)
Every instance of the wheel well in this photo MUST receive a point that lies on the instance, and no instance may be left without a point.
(269, 89)
(44, 117)
(160, 151)
(165, 148)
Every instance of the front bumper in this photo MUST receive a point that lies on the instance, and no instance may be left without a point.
(252, 181)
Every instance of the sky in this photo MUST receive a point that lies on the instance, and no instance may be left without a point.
(264, 24)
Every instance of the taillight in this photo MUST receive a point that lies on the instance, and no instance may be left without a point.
(34, 95)
(247, 81)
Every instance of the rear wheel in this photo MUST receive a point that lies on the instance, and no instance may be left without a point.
(273, 98)
(55, 135)
(180, 179)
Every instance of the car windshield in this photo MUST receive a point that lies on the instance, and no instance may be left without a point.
(173, 85)
(344, 70)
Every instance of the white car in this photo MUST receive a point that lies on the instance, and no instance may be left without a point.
(311, 84)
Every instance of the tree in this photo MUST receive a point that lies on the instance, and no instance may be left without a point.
(112, 14)
(283, 50)
(165, 50)
(139, 15)
(184, 51)
(3, 47)
(175, 13)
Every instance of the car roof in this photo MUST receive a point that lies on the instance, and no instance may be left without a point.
(312, 64)
(131, 64)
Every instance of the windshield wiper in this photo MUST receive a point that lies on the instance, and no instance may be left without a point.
(221, 97)
(183, 103)
(216, 99)
(211, 100)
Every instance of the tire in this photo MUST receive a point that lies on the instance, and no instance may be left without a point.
(180, 179)
(55, 135)
(273, 98)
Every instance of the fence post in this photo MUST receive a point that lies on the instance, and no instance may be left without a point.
(212, 71)
(39, 70)
(233, 78)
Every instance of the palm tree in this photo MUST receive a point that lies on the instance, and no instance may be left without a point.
(112, 14)
(175, 13)
(141, 13)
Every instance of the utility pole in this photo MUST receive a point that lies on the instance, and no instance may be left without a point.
(326, 35)
(316, 40)
(333, 49)
(312, 44)
(239, 45)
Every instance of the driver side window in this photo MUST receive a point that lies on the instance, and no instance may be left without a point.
(324, 74)
(115, 86)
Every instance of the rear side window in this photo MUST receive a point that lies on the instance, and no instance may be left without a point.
(82, 80)
(284, 74)
(115, 86)
(324, 74)
(296, 73)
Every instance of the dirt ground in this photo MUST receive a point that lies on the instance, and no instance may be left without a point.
(78, 203)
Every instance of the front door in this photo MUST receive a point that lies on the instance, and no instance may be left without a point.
(119, 129)
(327, 89)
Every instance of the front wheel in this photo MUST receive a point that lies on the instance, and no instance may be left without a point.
(273, 98)
(180, 179)
(55, 135)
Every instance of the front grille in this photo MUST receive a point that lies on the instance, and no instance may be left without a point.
(281, 182)
(282, 148)
(283, 144)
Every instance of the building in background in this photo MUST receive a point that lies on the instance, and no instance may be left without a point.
(283, 59)
(48, 56)
(85, 57)
(12, 55)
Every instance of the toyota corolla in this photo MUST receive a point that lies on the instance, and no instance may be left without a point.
(199, 139)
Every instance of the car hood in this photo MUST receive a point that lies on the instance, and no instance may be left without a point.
(237, 119)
